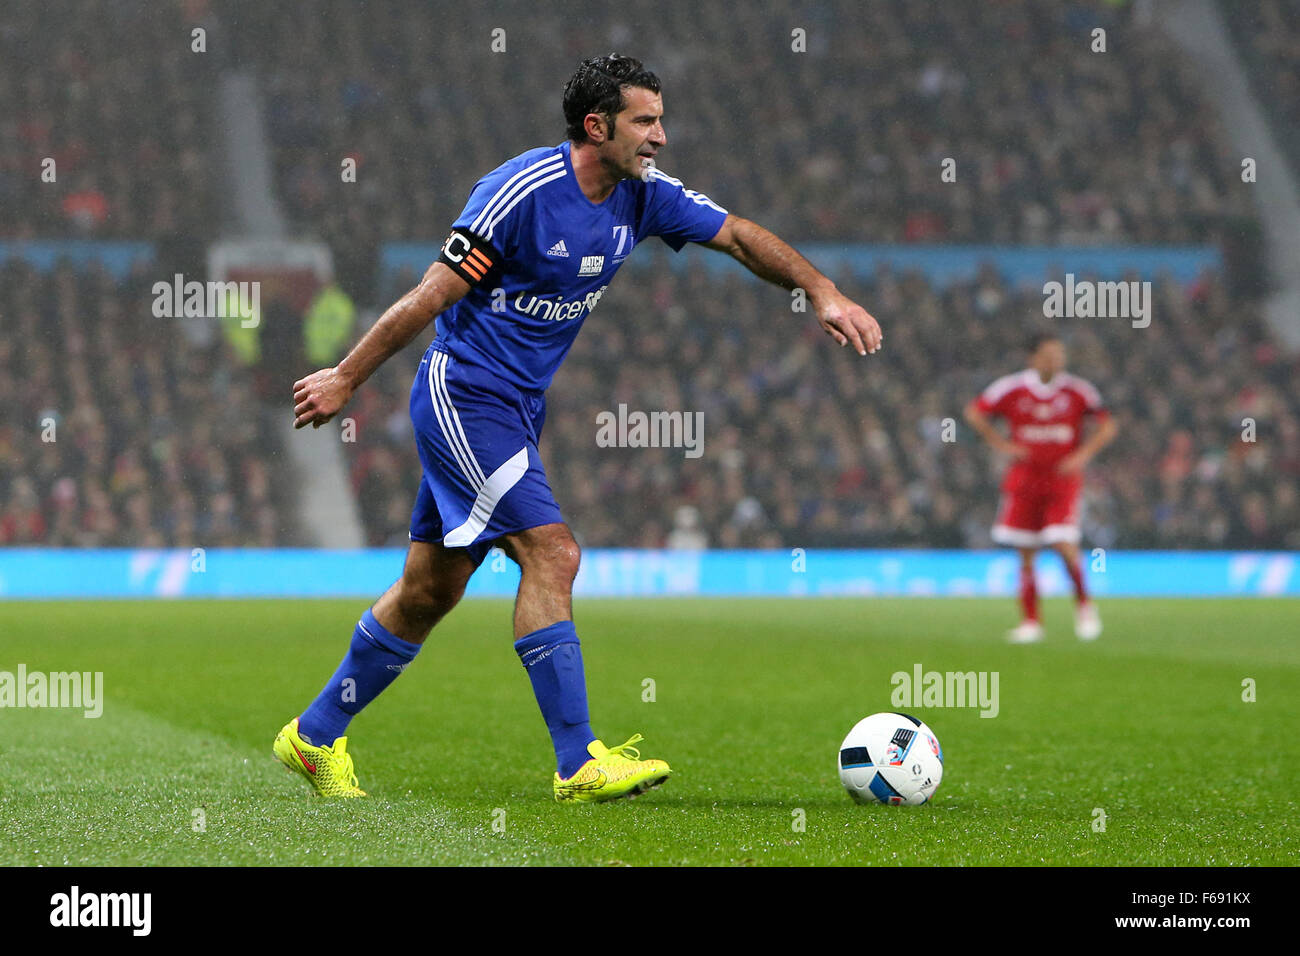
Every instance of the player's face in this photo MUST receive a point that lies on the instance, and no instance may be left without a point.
(638, 133)
(1049, 359)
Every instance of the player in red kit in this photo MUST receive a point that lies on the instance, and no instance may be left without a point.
(1045, 407)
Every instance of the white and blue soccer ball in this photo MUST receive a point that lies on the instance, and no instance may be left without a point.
(891, 758)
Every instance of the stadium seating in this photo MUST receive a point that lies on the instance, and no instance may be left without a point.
(810, 446)
(118, 431)
(805, 446)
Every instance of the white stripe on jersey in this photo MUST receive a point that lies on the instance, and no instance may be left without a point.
(993, 394)
(497, 217)
(1041, 390)
(698, 198)
(502, 194)
(446, 413)
(1091, 397)
(488, 217)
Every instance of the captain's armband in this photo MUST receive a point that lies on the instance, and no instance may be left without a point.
(469, 256)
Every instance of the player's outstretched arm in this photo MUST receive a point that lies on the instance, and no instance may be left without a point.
(318, 397)
(768, 257)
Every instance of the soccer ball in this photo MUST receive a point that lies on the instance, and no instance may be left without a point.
(891, 758)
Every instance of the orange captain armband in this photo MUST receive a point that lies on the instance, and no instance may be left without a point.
(468, 255)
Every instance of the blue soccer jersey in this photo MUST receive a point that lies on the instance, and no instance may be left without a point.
(537, 254)
(542, 254)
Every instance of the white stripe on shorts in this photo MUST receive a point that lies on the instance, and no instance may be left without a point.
(493, 490)
(450, 420)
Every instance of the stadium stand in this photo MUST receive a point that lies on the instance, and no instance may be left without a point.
(1267, 34)
(119, 102)
(805, 446)
(1057, 144)
(118, 431)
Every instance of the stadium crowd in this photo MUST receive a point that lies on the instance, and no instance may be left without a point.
(1052, 142)
(1267, 33)
(806, 445)
(118, 430)
(119, 103)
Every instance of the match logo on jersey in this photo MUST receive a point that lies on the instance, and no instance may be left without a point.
(591, 266)
(558, 250)
(626, 240)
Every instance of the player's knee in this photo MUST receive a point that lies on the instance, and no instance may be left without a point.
(552, 553)
(566, 560)
(558, 560)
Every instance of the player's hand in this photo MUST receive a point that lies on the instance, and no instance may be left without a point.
(318, 397)
(1071, 463)
(847, 322)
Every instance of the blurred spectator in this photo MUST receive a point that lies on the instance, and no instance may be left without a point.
(327, 326)
(686, 534)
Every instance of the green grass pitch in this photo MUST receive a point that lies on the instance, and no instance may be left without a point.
(751, 700)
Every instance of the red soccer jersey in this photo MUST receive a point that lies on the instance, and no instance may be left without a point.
(1045, 418)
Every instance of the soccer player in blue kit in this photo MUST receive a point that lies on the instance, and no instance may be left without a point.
(537, 244)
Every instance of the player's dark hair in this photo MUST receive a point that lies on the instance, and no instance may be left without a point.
(1035, 341)
(598, 87)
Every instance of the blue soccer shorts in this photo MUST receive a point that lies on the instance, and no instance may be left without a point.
(477, 438)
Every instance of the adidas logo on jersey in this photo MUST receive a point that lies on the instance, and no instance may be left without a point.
(558, 250)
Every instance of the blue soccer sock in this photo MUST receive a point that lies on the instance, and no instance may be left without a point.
(373, 661)
(553, 659)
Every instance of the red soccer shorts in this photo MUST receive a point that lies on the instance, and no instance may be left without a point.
(1038, 508)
